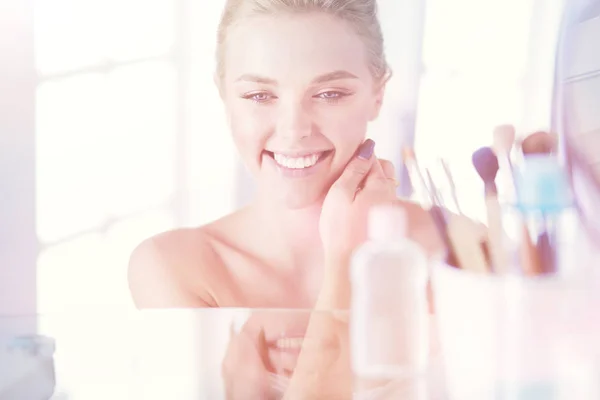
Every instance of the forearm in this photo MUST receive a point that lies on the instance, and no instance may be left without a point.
(323, 366)
(335, 293)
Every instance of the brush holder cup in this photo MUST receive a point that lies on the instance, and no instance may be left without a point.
(517, 338)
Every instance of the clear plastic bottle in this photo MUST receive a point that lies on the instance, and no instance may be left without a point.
(389, 310)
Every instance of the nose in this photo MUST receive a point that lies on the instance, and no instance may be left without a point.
(294, 120)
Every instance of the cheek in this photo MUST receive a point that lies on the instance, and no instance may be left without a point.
(346, 128)
(249, 127)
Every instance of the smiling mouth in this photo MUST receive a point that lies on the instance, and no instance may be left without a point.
(299, 162)
(283, 355)
(289, 343)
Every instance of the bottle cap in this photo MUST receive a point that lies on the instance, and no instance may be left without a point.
(386, 222)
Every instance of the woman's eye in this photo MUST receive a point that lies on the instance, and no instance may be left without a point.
(260, 97)
(330, 95)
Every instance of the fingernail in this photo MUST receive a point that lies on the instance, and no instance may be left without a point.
(365, 151)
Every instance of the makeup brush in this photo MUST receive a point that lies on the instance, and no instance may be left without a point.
(468, 240)
(531, 264)
(504, 140)
(440, 220)
(428, 195)
(417, 180)
(539, 142)
(486, 164)
(451, 183)
(466, 237)
(434, 192)
(462, 239)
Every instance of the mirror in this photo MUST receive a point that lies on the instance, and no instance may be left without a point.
(577, 107)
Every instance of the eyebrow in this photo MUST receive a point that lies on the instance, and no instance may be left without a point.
(330, 76)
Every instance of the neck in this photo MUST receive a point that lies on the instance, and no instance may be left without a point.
(293, 232)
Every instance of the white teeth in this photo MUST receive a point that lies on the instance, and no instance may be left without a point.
(289, 343)
(296, 162)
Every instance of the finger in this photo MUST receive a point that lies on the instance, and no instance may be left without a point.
(357, 169)
(263, 350)
(255, 335)
(243, 367)
(388, 168)
(248, 346)
(383, 169)
(254, 332)
(381, 177)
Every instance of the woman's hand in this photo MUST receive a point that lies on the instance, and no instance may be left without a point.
(366, 181)
(262, 356)
(323, 369)
(245, 366)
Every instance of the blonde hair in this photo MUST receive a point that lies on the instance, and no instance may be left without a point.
(360, 14)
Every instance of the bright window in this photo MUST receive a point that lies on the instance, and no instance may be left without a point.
(485, 64)
(106, 133)
(107, 154)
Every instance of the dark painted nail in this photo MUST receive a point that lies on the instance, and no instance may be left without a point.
(365, 151)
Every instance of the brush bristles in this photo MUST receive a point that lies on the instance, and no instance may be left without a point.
(504, 139)
(486, 164)
(539, 143)
(408, 155)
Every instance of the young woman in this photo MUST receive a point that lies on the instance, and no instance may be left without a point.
(300, 81)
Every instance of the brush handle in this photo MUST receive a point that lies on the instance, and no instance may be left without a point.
(496, 234)
(539, 245)
(467, 242)
(441, 224)
(508, 178)
(418, 183)
(547, 253)
(529, 256)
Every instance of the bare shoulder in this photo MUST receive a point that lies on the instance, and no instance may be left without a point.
(417, 217)
(421, 227)
(174, 270)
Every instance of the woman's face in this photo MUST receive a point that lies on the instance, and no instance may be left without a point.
(299, 94)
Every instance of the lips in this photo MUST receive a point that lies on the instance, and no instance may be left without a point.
(283, 354)
(297, 164)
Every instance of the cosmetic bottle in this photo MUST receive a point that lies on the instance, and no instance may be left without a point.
(389, 310)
